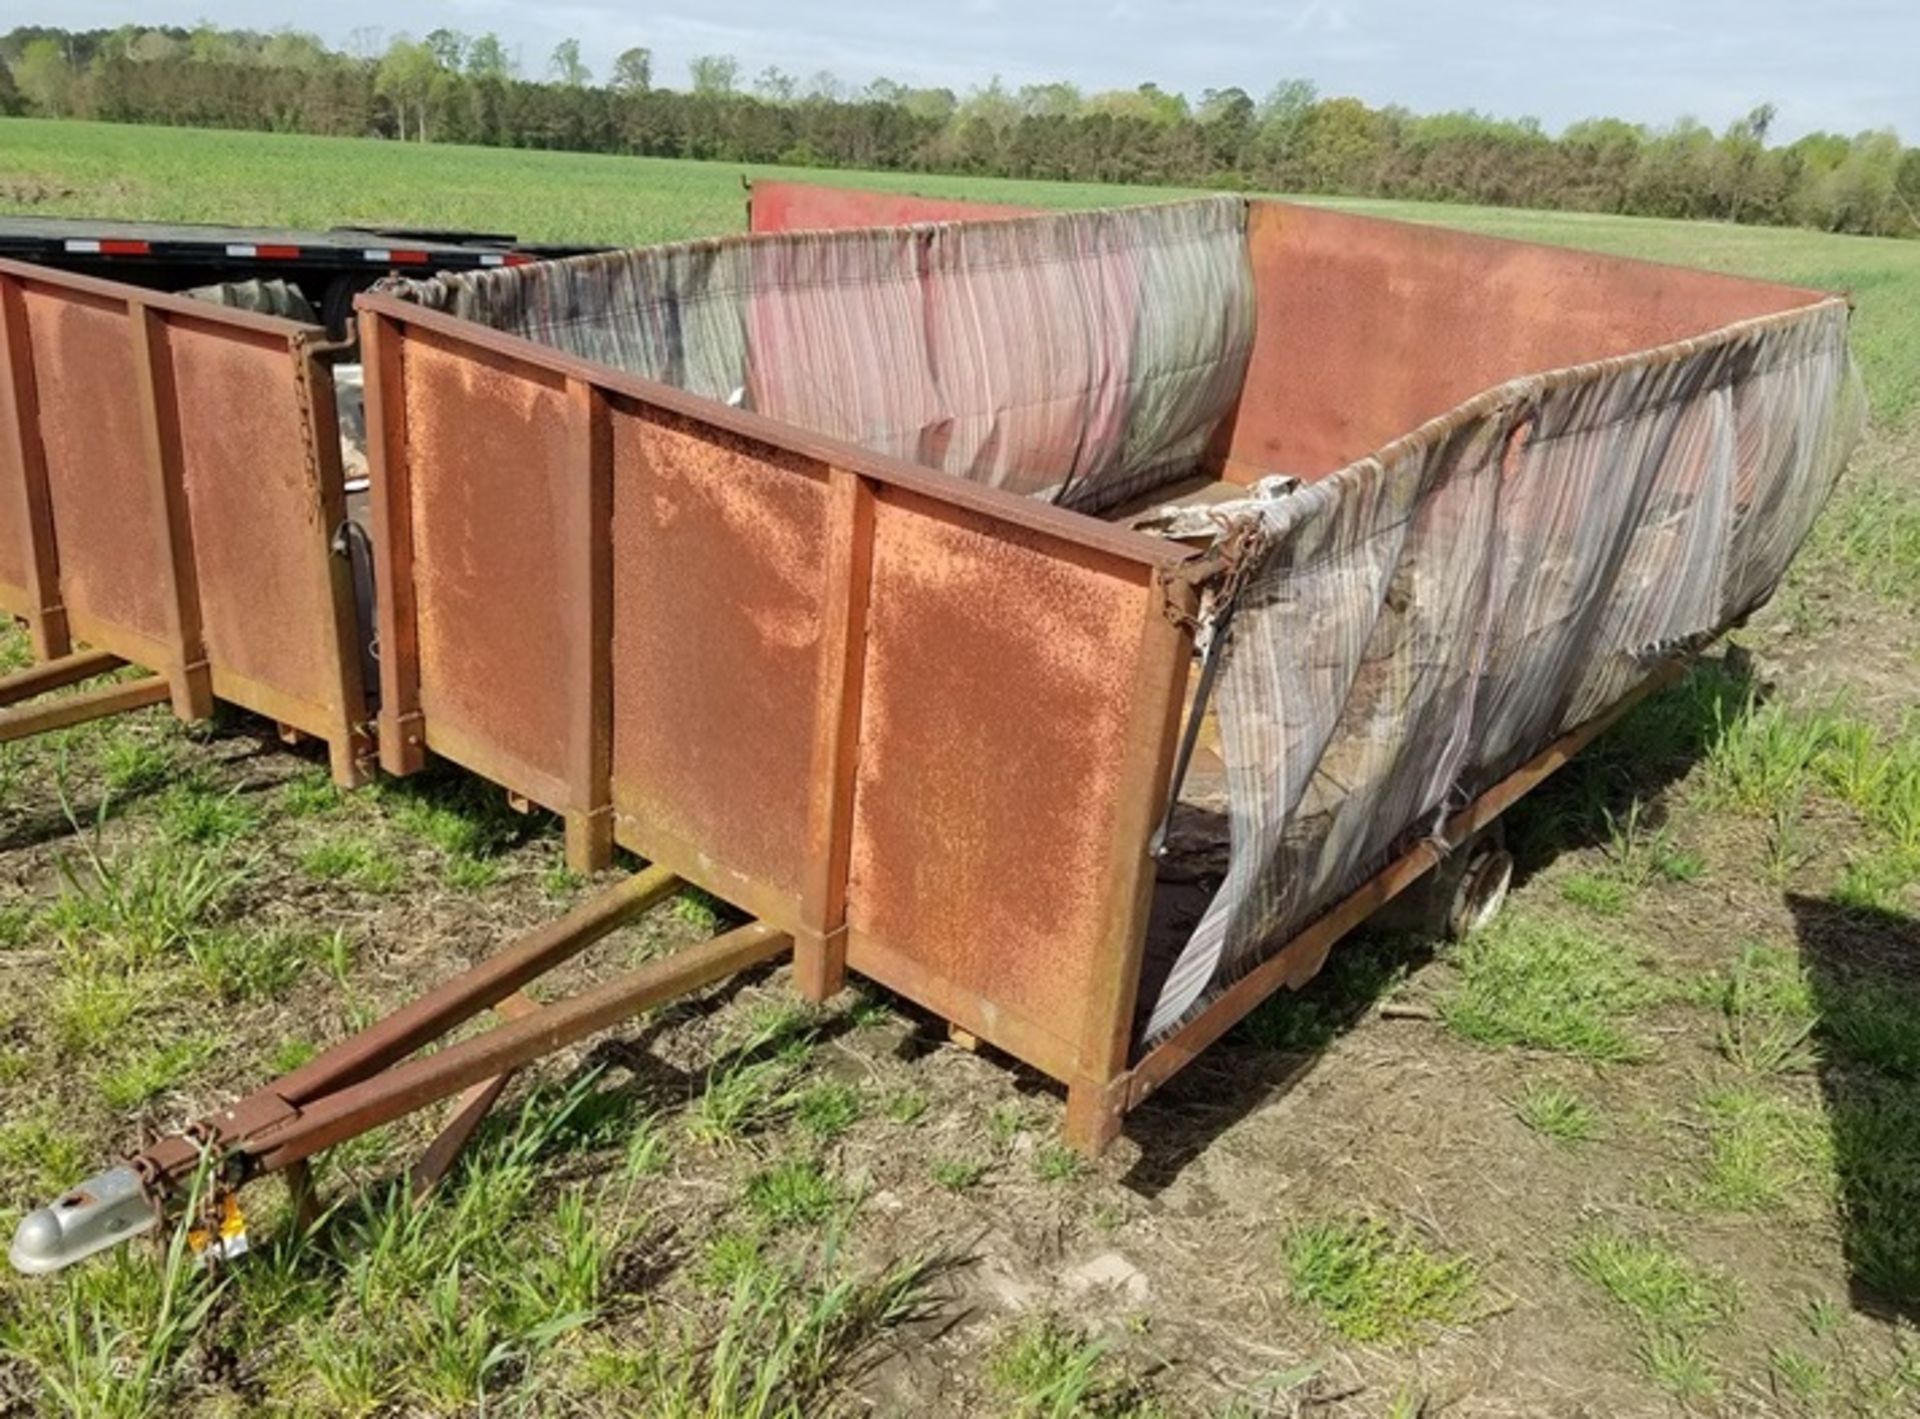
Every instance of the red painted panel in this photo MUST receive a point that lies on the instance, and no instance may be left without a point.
(108, 525)
(1000, 676)
(802, 206)
(260, 543)
(719, 564)
(487, 449)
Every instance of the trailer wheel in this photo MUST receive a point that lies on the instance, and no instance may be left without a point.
(1481, 889)
(336, 303)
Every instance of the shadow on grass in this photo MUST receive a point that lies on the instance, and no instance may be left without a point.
(1638, 760)
(1863, 968)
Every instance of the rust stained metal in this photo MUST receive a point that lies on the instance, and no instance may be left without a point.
(185, 462)
(586, 568)
(29, 570)
(402, 740)
(259, 534)
(367, 1080)
(804, 206)
(364, 1057)
(922, 725)
(719, 582)
(56, 675)
(1368, 328)
(478, 342)
(406, 1087)
(167, 515)
(97, 463)
(487, 444)
(820, 948)
(1155, 714)
(999, 683)
(817, 652)
(475, 1103)
(24, 721)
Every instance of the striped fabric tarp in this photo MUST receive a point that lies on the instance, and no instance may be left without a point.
(1410, 629)
(1418, 624)
(1084, 357)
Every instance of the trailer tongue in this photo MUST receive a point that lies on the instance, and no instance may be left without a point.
(370, 1079)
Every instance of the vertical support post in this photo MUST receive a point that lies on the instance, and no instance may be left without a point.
(188, 675)
(1096, 1101)
(25, 504)
(820, 945)
(403, 740)
(587, 604)
(349, 750)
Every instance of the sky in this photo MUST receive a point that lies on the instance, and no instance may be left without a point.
(1843, 65)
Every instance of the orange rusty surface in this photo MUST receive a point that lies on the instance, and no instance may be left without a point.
(260, 548)
(13, 492)
(487, 448)
(1000, 672)
(718, 583)
(802, 206)
(1369, 328)
(107, 523)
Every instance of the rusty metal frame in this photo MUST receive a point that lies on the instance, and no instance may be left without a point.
(1087, 1043)
(1086, 1052)
(369, 1079)
(379, 1075)
(176, 648)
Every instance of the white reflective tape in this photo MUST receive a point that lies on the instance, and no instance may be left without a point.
(493, 261)
(377, 254)
(242, 249)
(85, 247)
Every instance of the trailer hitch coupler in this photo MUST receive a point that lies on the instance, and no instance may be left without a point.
(104, 1210)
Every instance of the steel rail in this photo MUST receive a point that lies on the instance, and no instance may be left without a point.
(368, 1080)
(56, 675)
(336, 1117)
(25, 721)
(362, 1057)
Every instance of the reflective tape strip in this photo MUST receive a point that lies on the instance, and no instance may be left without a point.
(493, 261)
(410, 258)
(377, 254)
(242, 249)
(108, 246)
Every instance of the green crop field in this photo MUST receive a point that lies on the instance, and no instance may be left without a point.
(186, 175)
(1649, 1145)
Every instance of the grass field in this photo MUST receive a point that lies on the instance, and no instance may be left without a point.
(1650, 1145)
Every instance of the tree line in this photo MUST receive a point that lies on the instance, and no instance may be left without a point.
(455, 88)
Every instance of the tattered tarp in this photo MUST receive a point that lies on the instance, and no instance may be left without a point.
(1417, 625)
(1406, 631)
(1084, 356)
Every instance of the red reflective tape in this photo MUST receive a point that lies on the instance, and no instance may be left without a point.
(518, 258)
(124, 248)
(278, 253)
(408, 258)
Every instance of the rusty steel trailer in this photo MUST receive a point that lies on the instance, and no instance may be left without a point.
(170, 495)
(919, 729)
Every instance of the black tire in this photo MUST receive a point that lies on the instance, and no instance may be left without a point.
(336, 304)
